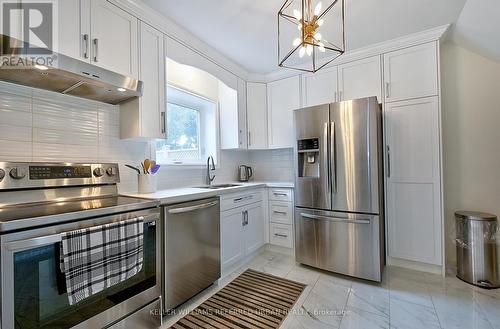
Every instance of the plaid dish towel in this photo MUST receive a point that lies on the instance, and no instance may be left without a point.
(99, 257)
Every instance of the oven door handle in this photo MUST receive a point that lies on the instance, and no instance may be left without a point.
(54, 238)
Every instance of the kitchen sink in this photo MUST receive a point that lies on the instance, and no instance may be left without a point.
(218, 186)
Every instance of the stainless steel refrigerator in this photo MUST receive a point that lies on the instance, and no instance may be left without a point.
(339, 222)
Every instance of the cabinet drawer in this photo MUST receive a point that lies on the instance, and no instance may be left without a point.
(280, 195)
(281, 235)
(241, 199)
(281, 212)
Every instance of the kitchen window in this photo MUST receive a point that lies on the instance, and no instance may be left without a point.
(191, 129)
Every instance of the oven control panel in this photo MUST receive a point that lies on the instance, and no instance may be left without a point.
(55, 172)
(17, 175)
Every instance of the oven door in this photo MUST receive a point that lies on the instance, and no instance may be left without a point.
(33, 288)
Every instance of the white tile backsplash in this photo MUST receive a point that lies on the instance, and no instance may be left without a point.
(37, 125)
(272, 165)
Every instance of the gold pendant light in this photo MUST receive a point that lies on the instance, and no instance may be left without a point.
(310, 35)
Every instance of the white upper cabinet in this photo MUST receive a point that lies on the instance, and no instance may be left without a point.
(283, 98)
(411, 73)
(145, 117)
(232, 110)
(100, 33)
(114, 38)
(414, 212)
(74, 28)
(359, 79)
(257, 115)
(320, 87)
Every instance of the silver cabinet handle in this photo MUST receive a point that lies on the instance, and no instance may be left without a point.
(387, 90)
(244, 198)
(338, 220)
(96, 50)
(280, 212)
(192, 208)
(85, 46)
(340, 95)
(388, 161)
(249, 138)
(280, 194)
(281, 235)
(163, 125)
(244, 218)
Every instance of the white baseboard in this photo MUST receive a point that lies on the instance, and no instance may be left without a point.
(417, 266)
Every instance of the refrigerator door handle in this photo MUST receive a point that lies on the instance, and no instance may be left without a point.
(333, 158)
(326, 157)
(338, 220)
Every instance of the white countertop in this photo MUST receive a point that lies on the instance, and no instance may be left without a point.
(176, 195)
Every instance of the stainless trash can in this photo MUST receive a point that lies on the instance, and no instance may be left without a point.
(477, 254)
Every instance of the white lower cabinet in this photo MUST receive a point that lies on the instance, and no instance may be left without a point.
(242, 228)
(281, 217)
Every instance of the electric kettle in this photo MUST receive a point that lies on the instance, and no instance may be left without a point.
(244, 173)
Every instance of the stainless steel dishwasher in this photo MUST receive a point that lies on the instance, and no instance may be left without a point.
(192, 249)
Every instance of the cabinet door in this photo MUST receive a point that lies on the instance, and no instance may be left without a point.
(232, 242)
(254, 229)
(320, 88)
(257, 115)
(360, 79)
(114, 38)
(74, 28)
(242, 114)
(229, 117)
(283, 98)
(411, 73)
(413, 180)
(152, 73)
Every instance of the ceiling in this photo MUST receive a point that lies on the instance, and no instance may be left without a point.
(246, 30)
(478, 28)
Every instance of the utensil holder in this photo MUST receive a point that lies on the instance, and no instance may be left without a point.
(147, 183)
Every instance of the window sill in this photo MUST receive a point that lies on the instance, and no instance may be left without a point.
(185, 166)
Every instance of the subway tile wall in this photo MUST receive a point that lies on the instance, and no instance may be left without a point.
(37, 125)
(272, 165)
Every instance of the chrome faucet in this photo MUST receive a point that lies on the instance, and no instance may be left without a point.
(210, 167)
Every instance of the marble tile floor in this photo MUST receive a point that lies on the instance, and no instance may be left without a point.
(404, 300)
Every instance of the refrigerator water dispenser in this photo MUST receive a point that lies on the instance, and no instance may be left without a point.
(308, 157)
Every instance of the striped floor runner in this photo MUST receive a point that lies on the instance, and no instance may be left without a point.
(252, 300)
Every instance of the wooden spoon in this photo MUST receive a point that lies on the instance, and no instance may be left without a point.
(147, 165)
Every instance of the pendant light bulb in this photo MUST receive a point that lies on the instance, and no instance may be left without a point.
(317, 9)
(297, 14)
(317, 36)
(321, 47)
(297, 42)
(320, 22)
(299, 27)
(309, 50)
(302, 51)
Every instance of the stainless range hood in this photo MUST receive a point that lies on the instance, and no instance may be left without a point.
(68, 76)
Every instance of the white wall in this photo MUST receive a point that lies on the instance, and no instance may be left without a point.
(192, 79)
(471, 136)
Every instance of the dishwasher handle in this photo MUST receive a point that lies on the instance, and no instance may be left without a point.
(193, 208)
